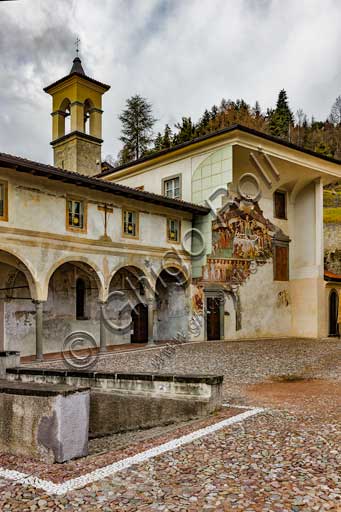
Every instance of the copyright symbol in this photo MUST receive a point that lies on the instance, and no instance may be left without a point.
(79, 350)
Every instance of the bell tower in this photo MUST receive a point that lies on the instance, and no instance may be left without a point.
(77, 121)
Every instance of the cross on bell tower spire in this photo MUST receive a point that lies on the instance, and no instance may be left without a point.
(77, 44)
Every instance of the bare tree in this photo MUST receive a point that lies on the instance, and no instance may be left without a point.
(335, 113)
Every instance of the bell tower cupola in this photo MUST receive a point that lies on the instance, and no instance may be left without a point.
(77, 121)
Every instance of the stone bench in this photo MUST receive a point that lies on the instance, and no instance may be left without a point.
(128, 401)
(44, 421)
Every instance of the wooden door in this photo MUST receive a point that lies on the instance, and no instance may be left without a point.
(140, 324)
(213, 318)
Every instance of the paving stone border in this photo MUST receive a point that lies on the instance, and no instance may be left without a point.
(107, 471)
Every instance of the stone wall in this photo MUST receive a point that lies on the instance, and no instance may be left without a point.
(130, 401)
(40, 421)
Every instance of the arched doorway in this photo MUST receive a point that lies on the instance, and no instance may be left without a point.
(333, 313)
(139, 316)
(172, 309)
(127, 306)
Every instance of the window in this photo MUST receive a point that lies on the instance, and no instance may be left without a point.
(281, 263)
(173, 230)
(130, 223)
(172, 187)
(280, 206)
(3, 200)
(80, 299)
(76, 214)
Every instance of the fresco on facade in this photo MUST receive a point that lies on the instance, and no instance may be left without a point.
(198, 300)
(241, 240)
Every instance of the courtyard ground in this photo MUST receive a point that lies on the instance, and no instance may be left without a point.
(286, 458)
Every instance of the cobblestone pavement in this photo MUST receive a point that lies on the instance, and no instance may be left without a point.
(286, 459)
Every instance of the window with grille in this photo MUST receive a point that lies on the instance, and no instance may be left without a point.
(172, 187)
(75, 214)
(173, 230)
(130, 223)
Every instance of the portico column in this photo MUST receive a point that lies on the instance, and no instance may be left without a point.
(39, 329)
(151, 309)
(102, 329)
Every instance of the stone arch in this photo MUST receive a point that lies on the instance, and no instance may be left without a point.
(140, 270)
(93, 270)
(129, 293)
(14, 259)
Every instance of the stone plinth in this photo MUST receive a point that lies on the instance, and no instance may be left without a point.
(49, 423)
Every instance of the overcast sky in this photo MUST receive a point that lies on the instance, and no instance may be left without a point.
(182, 55)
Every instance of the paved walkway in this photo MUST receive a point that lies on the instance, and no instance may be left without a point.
(286, 459)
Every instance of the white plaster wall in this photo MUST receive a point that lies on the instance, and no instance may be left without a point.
(40, 205)
(304, 239)
(186, 166)
(263, 315)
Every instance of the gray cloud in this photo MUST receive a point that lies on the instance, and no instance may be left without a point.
(183, 56)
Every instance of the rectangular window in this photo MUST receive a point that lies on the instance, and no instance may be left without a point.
(130, 223)
(3, 200)
(280, 206)
(172, 187)
(173, 230)
(281, 263)
(76, 214)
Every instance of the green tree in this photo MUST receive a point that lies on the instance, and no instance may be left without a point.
(186, 131)
(158, 142)
(137, 128)
(167, 137)
(281, 119)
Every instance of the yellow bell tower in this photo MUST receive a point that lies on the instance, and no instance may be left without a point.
(77, 121)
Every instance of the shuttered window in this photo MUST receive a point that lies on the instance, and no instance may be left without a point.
(280, 206)
(281, 263)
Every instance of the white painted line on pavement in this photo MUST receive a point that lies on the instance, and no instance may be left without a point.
(106, 471)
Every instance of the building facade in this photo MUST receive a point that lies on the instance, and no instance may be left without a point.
(261, 272)
(220, 238)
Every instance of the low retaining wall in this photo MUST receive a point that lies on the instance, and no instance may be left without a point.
(49, 423)
(126, 401)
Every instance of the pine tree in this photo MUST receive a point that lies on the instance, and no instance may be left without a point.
(137, 124)
(158, 142)
(167, 137)
(281, 118)
(203, 124)
(186, 131)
